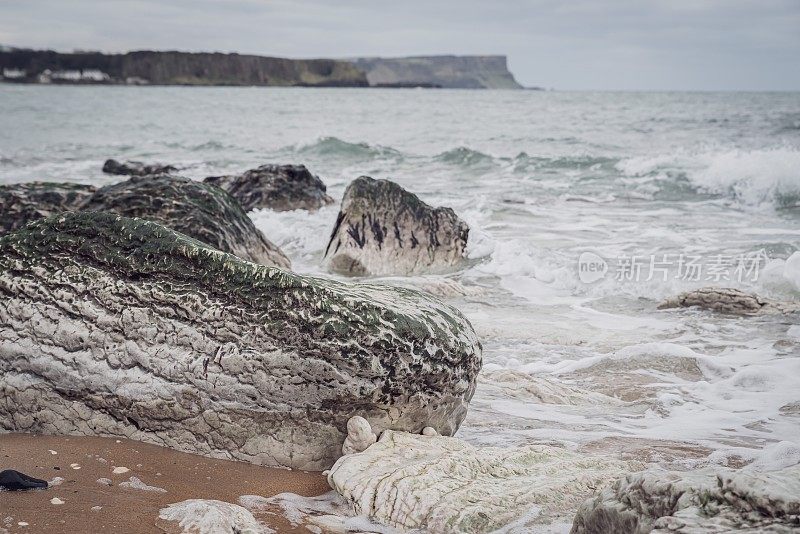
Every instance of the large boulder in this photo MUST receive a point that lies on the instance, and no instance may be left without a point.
(382, 229)
(275, 187)
(122, 327)
(23, 203)
(198, 210)
(730, 301)
(443, 485)
(136, 168)
(706, 501)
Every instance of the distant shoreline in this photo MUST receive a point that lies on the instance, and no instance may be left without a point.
(47, 67)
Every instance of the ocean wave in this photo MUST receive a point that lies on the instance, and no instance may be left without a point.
(466, 157)
(335, 147)
(524, 162)
(750, 177)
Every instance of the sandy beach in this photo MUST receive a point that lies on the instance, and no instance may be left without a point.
(81, 461)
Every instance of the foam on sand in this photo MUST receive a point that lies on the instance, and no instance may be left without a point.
(207, 516)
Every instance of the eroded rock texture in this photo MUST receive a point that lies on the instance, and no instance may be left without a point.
(382, 229)
(117, 326)
(198, 210)
(708, 501)
(23, 203)
(136, 168)
(728, 300)
(444, 485)
(275, 187)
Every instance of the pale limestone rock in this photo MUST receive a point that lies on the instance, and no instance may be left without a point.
(359, 435)
(443, 485)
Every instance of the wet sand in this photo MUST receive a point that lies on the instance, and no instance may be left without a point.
(124, 510)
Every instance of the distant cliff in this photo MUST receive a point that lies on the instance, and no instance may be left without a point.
(175, 68)
(467, 72)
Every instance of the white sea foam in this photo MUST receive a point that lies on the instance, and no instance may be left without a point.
(752, 177)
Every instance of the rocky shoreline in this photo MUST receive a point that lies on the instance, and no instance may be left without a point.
(152, 309)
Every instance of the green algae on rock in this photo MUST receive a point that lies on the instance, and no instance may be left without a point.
(118, 326)
(199, 210)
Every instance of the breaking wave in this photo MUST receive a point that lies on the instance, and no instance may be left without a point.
(750, 177)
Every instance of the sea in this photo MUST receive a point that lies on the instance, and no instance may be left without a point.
(586, 209)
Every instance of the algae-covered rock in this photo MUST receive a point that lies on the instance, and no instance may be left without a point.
(198, 210)
(729, 300)
(23, 203)
(136, 168)
(382, 229)
(444, 485)
(118, 326)
(712, 500)
(275, 187)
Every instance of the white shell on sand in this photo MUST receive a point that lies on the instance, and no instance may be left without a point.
(120, 470)
(56, 500)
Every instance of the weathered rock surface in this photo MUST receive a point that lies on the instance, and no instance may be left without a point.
(729, 300)
(382, 229)
(23, 203)
(276, 187)
(711, 500)
(443, 484)
(198, 210)
(136, 168)
(122, 327)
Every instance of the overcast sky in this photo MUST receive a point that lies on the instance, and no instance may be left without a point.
(563, 44)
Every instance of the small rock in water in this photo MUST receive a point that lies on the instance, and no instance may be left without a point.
(382, 229)
(56, 500)
(275, 187)
(136, 168)
(120, 470)
(16, 481)
(104, 481)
